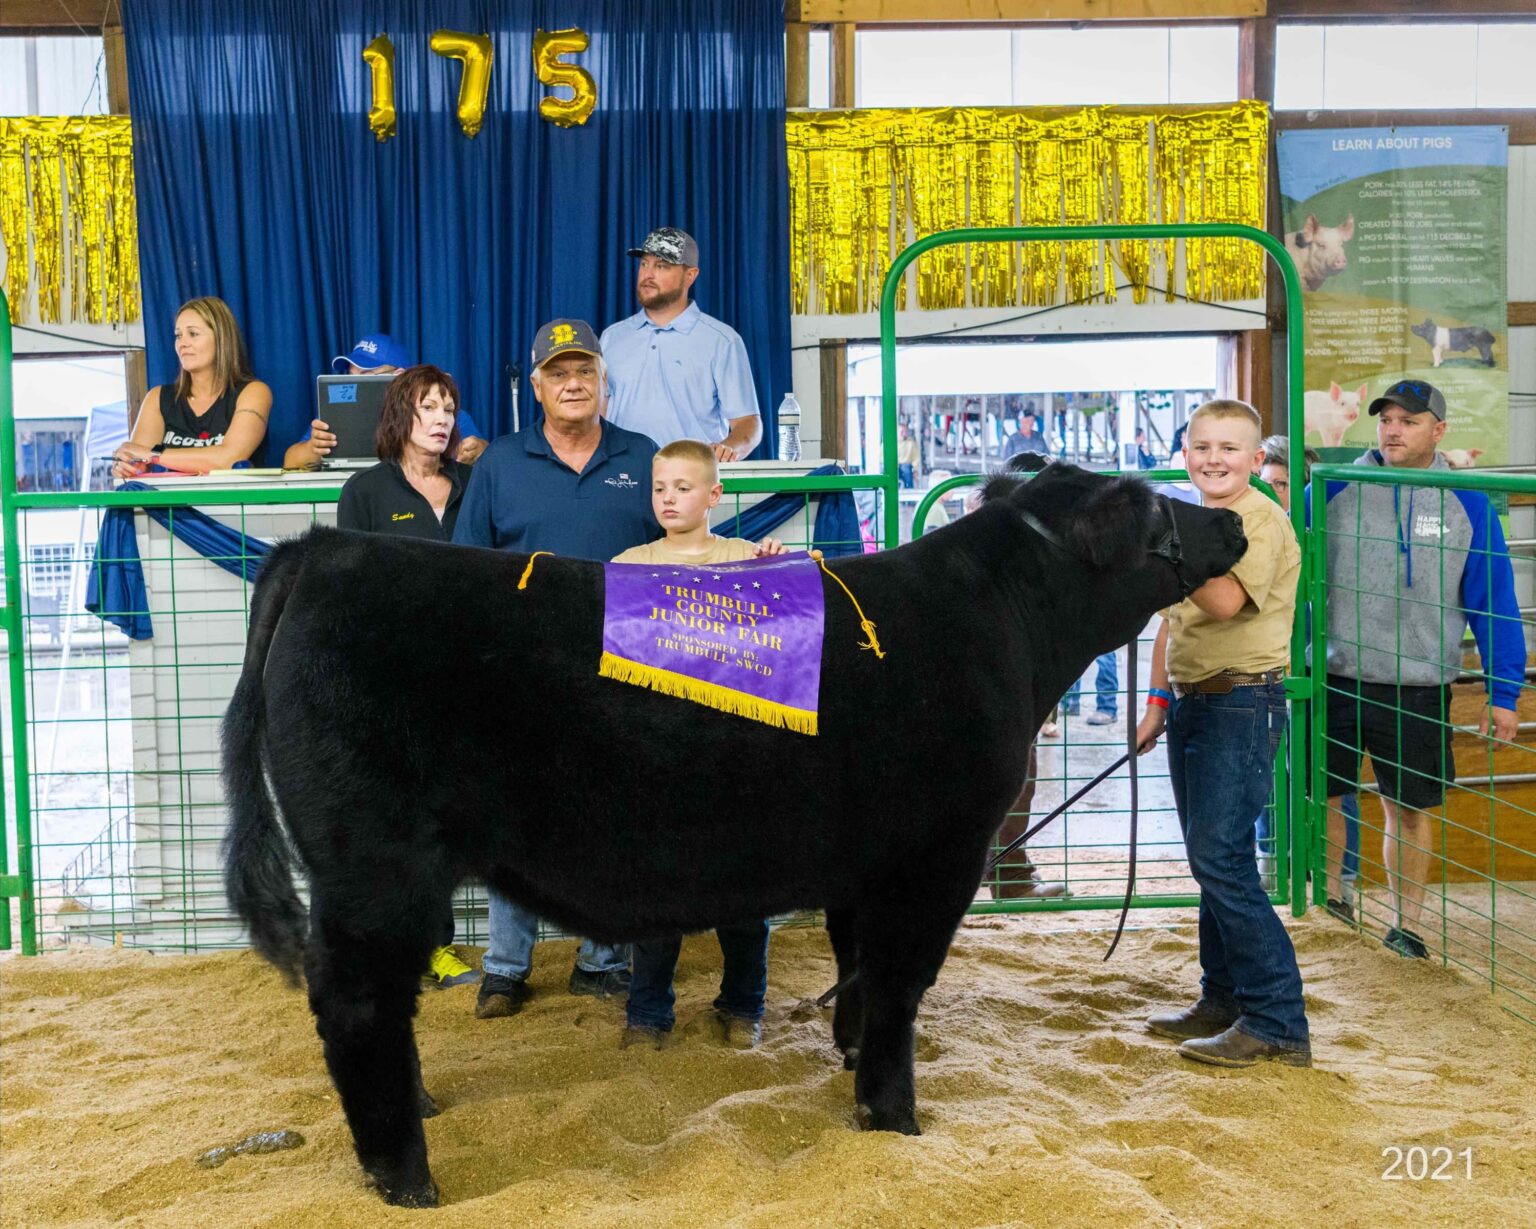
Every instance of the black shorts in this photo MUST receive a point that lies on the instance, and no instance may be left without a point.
(1406, 731)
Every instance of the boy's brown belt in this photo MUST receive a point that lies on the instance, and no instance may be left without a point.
(1221, 684)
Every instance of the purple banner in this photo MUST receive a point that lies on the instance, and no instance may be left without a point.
(741, 637)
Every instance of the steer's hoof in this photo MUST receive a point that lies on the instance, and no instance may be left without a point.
(903, 1122)
(420, 1196)
(851, 1058)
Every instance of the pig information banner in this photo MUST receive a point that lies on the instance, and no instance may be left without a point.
(1399, 235)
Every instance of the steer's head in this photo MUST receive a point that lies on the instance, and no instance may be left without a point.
(1112, 552)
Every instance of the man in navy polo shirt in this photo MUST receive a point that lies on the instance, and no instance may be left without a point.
(676, 373)
(577, 485)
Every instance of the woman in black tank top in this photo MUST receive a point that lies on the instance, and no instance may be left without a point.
(214, 415)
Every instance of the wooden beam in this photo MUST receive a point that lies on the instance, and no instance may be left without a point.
(58, 16)
(1355, 10)
(117, 69)
(1521, 124)
(908, 12)
(1522, 314)
(842, 65)
(136, 376)
(797, 64)
(834, 398)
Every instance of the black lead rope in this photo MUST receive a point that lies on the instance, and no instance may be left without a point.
(1169, 548)
(996, 859)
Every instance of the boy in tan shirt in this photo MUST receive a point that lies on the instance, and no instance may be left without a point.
(1218, 670)
(685, 486)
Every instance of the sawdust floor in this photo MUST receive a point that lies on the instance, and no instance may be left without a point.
(1043, 1100)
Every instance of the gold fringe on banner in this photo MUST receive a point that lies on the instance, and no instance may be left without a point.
(726, 699)
(67, 212)
(864, 184)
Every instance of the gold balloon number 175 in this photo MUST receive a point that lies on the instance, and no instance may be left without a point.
(475, 53)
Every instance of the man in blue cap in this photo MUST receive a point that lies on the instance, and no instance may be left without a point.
(575, 484)
(674, 372)
(377, 354)
(1409, 571)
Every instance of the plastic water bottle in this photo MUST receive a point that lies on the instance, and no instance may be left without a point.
(789, 428)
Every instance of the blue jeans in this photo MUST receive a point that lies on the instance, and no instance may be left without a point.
(905, 477)
(512, 932)
(743, 982)
(1349, 804)
(1221, 760)
(1106, 687)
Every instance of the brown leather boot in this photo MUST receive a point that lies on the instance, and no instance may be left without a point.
(1235, 1048)
(1204, 1019)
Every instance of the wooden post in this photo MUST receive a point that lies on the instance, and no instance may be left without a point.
(117, 69)
(797, 64)
(136, 378)
(834, 398)
(1256, 348)
(842, 65)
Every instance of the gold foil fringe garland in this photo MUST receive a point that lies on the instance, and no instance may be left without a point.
(864, 184)
(67, 214)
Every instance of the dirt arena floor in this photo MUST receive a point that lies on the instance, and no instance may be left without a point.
(1043, 1100)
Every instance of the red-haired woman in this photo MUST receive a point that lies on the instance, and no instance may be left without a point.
(414, 492)
(415, 489)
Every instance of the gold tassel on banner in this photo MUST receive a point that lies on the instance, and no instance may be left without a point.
(863, 184)
(67, 216)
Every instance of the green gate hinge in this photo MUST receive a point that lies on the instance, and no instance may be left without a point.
(1299, 688)
(10, 885)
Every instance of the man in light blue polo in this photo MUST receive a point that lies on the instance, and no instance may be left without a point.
(675, 373)
(577, 485)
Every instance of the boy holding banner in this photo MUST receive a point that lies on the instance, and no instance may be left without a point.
(685, 486)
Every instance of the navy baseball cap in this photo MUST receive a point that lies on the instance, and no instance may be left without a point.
(674, 246)
(372, 352)
(1415, 396)
(564, 337)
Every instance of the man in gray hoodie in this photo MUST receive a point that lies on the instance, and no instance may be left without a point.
(1409, 569)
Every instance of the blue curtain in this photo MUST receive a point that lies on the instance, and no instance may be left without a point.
(259, 181)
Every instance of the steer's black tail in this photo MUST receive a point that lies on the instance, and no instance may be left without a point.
(258, 871)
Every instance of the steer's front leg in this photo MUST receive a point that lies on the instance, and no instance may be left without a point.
(363, 990)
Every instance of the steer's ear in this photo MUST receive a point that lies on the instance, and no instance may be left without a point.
(1111, 528)
(1028, 463)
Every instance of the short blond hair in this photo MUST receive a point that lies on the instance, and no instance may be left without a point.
(690, 450)
(1227, 407)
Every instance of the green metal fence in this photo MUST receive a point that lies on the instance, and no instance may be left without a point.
(1454, 882)
(1085, 851)
(117, 811)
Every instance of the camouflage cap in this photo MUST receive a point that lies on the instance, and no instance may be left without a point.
(674, 246)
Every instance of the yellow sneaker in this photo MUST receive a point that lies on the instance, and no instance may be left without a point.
(446, 969)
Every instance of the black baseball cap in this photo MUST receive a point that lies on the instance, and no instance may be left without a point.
(564, 337)
(674, 246)
(1415, 396)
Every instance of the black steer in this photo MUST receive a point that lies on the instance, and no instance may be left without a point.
(421, 720)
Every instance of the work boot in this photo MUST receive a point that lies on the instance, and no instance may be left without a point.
(1235, 1048)
(642, 1035)
(1405, 943)
(500, 996)
(599, 985)
(1204, 1019)
(741, 1032)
